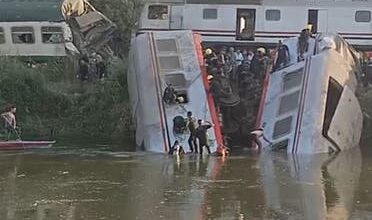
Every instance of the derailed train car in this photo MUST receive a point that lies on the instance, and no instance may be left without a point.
(311, 105)
(308, 106)
(159, 59)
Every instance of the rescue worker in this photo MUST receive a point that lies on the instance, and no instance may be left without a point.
(259, 63)
(202, 136)
(191, 125)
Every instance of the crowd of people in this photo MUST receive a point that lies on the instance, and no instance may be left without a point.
(92, 67)
(198, 134)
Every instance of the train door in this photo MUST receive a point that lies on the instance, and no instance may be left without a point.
(319, 19)
(245, 24)
(157, 16)
(176, 17)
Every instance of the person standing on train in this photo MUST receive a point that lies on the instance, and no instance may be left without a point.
(282, 58)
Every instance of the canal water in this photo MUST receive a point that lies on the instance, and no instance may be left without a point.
(101, 182)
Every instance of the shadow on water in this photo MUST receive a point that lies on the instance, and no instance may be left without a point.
(105, 182)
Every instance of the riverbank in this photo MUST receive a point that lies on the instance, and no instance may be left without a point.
(50, 106)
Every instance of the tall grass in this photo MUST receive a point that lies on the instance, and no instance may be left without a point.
(47, 105)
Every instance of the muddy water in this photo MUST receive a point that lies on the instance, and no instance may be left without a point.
(98, 183)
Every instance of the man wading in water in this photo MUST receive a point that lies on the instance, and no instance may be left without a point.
(201, 134)
(10, 121)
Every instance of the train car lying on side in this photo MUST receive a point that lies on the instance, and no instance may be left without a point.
(311, 105)
(159, 59)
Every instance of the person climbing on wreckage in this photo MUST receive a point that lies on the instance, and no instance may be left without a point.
(303, 42)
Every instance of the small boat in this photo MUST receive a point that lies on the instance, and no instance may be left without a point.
(23, 145)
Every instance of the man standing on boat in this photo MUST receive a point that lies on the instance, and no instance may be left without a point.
(10, 121)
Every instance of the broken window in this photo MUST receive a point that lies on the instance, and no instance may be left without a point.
(245, 24)
(23, 35)
(158, 12)
(2, 36)
(52, 35)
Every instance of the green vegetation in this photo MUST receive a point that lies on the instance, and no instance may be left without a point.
(52, 103)
(48, 106)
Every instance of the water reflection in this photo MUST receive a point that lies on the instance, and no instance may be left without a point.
(311, 187)
(117, 185)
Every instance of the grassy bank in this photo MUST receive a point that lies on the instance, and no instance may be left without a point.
(49, 106)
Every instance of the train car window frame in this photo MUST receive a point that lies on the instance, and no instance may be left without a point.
(2, 36)
(210, 13)
(245, 24)
(52, 35)
(282, 127)
(272, 15)
(23, 35)
(158, 12)
(363, 16)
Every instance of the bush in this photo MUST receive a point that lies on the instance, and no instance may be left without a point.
(93, 109)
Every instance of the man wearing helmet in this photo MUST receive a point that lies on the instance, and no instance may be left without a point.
(259, 63)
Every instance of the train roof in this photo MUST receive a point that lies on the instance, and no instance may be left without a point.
(30, 10)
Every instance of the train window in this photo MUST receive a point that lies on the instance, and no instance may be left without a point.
(282, 127)
(289, 102)
(245, 24)
(158, 12)
(23, 35)
(272, 15)
(363, 16)
(168, 63)
(2, 36)
(292, 79)
(166, 45)
(52, 35)
(210, 13)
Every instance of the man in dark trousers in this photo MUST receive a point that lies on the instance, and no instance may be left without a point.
(282, 58)
(201, 134)
(191, 125)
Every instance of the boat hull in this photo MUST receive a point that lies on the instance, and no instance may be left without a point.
(23, 145)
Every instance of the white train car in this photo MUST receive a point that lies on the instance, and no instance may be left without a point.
(261, 22)
(32, 28)
(158, 59)
(311, 106)
(33, 38)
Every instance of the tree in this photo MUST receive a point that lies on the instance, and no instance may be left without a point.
(125, 14)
